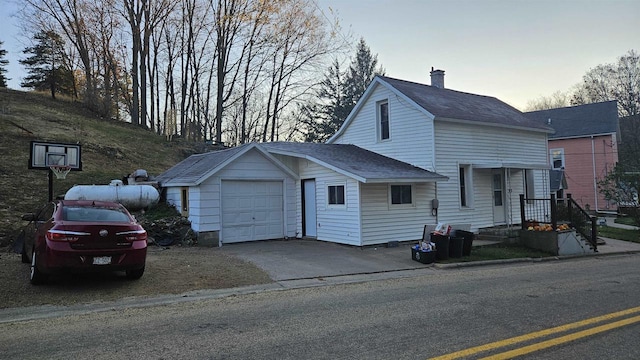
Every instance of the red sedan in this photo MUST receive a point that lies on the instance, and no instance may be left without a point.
(83, 236)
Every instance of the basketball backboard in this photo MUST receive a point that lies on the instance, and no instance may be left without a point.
(45, 154)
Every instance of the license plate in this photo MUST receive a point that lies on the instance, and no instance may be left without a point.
(102, 260)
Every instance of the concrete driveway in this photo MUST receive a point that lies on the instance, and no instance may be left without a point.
(304, 259)
(296, 259)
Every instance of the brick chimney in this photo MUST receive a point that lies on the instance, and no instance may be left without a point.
(437, 78)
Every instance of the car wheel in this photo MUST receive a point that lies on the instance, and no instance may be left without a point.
(36, 277)
(135, 274)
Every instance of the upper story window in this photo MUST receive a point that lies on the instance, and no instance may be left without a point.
(335, 194)
(556, 157)
(383, 120)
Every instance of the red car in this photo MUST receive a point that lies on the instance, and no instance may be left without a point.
(83, 236)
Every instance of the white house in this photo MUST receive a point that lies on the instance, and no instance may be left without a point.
(489, 150)
(408, 155)
(332, 192)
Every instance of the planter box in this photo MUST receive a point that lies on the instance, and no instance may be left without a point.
(554, 242)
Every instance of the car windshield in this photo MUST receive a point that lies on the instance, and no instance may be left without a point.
(94, 214)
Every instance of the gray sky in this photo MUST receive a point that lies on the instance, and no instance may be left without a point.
(515, 50)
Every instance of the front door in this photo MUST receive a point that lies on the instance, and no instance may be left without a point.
(498, 196)
(309, 207)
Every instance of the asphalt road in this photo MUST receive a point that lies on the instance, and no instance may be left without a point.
(439, 312)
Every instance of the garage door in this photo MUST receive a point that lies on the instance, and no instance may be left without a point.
(251, 210)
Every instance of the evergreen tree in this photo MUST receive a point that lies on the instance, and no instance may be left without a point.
(363, 68)
(326, 116)
(46, 66)
(3, 63)
(338, 93)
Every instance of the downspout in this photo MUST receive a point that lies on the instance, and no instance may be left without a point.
(593, 165)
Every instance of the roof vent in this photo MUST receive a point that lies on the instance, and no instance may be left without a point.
(437, 78)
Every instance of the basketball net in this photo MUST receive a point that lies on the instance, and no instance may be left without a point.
(60, 171)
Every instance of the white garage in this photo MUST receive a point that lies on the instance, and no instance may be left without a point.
(251, 210)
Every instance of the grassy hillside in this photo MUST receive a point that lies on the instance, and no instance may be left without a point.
(110, 150)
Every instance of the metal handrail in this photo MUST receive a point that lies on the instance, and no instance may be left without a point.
(583, 222)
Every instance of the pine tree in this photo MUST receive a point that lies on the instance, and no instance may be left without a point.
(338, 93)
(3, 63)
(363, 69)
(46, 66)
(326, 116)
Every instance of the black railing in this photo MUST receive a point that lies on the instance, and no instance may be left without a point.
(553, 211)
(583, 222)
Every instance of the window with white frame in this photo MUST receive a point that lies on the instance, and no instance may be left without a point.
(401, 194)
(465, 182)
(556, 157)
(335, 195)
(383, 120)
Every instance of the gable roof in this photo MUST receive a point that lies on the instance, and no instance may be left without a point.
(352, 161)
(451, 105)
(557, 180)
(197, 168)
(581, 120)
(355, 162)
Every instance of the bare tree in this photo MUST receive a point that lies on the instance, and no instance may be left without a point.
(619, 81)
(556, 100)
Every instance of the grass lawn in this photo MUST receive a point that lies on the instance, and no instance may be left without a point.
(620, 234)
(497, 252)
(626, 221)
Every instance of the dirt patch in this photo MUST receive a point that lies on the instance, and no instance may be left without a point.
(169, 270)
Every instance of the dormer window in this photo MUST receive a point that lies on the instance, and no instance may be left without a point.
(383, 120)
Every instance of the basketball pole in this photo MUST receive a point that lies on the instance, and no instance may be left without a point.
(50, 175)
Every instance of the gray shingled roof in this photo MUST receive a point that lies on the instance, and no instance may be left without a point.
(365, 164)
(192, 169)
(451, 104)
(557, 180)
(351, 160)
(582, 120)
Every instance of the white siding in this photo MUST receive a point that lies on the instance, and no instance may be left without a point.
(335, 224)
(382, 222)
(204, 200)
(411, 131)
(458, 144)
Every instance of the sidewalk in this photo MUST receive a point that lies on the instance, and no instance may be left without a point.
(610, 221)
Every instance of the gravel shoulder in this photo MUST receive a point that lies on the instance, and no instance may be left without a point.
(169, 270)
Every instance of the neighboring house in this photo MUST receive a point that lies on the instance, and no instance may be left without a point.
(585, 146)
(408, 155)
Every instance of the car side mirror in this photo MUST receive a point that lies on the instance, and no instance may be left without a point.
(29, 217)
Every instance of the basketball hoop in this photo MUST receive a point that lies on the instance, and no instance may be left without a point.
(60, 171)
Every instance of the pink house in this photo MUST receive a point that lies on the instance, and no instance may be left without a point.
(585, 146)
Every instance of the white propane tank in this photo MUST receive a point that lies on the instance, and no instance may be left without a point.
(133, 197)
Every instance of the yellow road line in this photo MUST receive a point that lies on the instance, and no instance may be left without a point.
(561, 340)
(535, 335)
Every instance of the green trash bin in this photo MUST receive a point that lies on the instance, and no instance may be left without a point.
(442, 246)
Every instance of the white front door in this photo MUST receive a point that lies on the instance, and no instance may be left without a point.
(252, 210)
(309, 200)
(498, 196)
